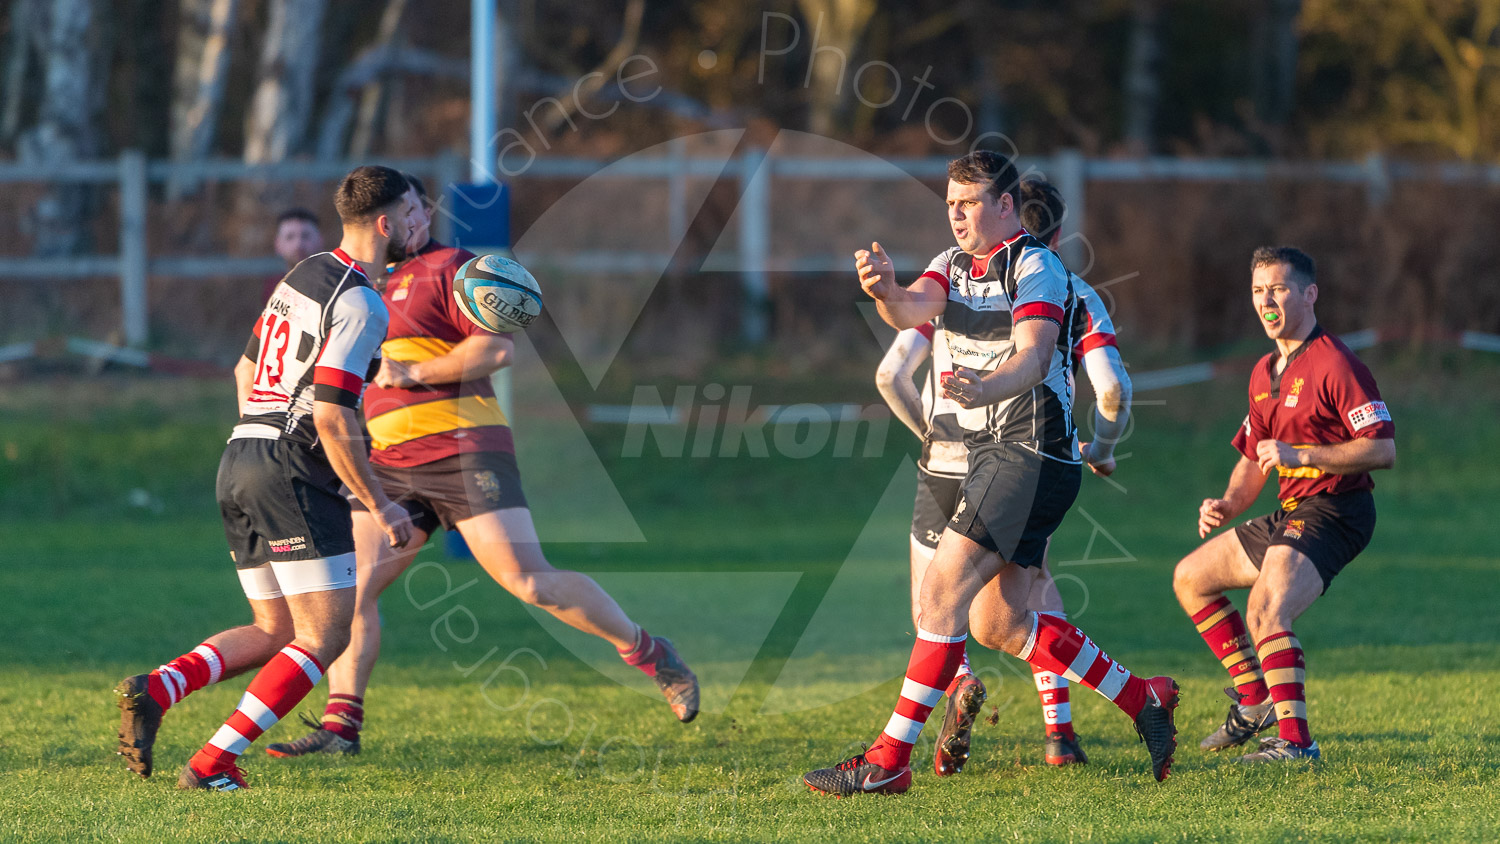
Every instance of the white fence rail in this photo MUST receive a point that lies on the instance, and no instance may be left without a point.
(756, 173)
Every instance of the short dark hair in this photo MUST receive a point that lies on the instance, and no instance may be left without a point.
(297, 213)
(1042, 208)
(983, 167)
(1304, 270)
(367, 191)
(417, 184)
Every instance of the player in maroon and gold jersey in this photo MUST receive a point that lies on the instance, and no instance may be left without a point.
(442, 448)
(1317, 419)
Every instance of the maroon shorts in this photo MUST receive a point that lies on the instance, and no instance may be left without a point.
(1330, 529)
(451, 489)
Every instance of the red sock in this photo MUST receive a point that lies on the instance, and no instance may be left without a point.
(642, 654)
(1061, 648)
(184, 675)
(344, 716)
(1224, 631)
(1057, 712)
(276, 690)
(934, 661)
(1281, 659)
(963, 671)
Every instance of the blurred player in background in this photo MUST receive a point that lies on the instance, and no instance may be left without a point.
(945, 460)
(1007, 306)
(297, 238)
(1317, 419)
(443, 449)
(297, 443)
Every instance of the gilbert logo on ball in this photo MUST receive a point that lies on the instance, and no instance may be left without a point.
(497, 294)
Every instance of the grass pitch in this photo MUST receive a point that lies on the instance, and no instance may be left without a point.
(783, 583)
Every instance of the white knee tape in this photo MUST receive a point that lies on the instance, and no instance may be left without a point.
(298, 577)
(259, 583)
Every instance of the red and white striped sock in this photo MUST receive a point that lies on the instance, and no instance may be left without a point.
(1286, 676)
(202, 666)
(1059, 647)
(934, 661)
(1057, 712)
(1223, 630)
(963, 671)
(276, 690)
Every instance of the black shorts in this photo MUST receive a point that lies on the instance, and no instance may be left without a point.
(451, 489)
(280, 501)
(1330, 529)
(1013, 499)
(936, 497)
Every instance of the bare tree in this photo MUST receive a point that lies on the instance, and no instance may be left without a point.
(1274, 43)
(592, 82)
(66, 128)
(28, 33)
(837, 26)
(281, 107)
(374, 91)
(1142, 83)
(203, 34)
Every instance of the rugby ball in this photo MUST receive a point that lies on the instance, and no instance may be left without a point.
(497, 294)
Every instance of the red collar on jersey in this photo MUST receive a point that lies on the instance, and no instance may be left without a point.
(343, 258)
(981, 265)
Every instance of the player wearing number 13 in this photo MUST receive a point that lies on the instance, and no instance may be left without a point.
(289, 528)
(1316, 418)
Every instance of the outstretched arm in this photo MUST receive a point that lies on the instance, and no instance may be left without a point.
(894, 379)
(901, 307)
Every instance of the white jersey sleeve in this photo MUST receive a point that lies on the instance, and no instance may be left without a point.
(357, 321)
(1041, 287)
(1095, 329)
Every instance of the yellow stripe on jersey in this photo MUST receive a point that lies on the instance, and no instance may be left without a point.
(1299, 472)
(434, 417)
(415, 349)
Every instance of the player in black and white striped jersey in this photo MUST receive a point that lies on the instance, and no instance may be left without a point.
(944, 461)
(289, 528)
(1006, 304)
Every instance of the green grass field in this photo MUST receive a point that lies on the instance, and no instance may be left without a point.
(783, 582)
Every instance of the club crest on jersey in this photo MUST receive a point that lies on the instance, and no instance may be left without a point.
(1291, 400)
(1294, 528)
(963, 504)
(402, 287)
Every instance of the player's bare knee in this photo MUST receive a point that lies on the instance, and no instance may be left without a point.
(326, 644)
(1265, 612)
(1187, 580)
(988, 636)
